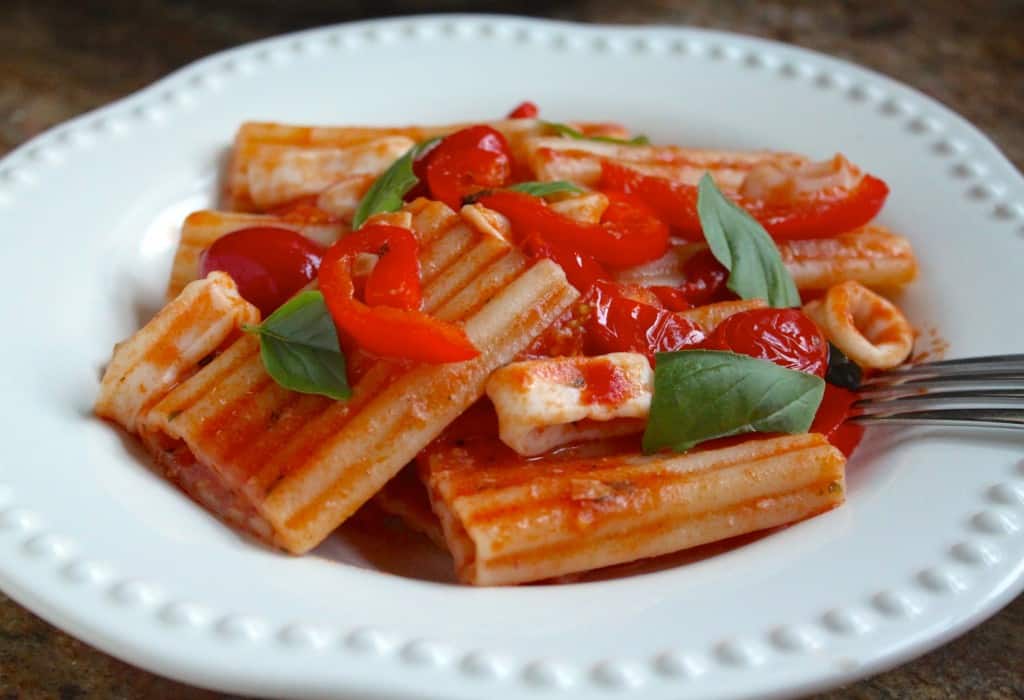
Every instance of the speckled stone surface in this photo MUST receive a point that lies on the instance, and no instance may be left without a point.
(58, 59)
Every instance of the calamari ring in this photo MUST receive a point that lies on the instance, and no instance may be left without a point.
(868, 328)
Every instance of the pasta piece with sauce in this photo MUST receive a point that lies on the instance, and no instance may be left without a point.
(272, 163)
(289, 468)
(579, 161)
(509, 520)
(871, 255)
(170, 348)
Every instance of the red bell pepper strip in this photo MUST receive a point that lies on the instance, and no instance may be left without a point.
(395, 279)
(400, 333)
(824, 214)
(629, 233)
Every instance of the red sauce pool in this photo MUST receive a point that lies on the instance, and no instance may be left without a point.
(830, 420)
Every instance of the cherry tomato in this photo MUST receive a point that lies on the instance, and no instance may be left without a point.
(526, 110)
(566, 337)
(830, 420)
(705, 279)
(470, 160)
(620, 324)
(786, 337)
(268, 264)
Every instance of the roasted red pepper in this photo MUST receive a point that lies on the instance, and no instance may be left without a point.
(629, 233)
(402, 333)
(826, 213)
(395, 279)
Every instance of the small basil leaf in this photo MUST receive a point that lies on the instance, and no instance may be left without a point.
(701, 395)
(544, 189)
(387, 191)
(566, 130)
(299, 348)
(842, 371)
(741, 244)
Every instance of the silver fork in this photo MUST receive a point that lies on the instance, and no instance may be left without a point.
(975, 391)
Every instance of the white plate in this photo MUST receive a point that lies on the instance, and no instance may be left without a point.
(929, 544)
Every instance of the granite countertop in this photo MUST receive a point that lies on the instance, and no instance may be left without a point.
(58, 59)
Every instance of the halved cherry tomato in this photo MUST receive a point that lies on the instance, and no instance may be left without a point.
(470, 160)
(826, 213)
(830, 420)
(620, 324)
(629, 233)
(383, 330)
(268, 264)
(786, 337)
(526, 110)
(706, 279)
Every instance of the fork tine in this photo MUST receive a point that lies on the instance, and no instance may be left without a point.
(994, 367)
(1017, 359)
(990, 391)
(891, 403)
(881, 389)
(973, 417)
(987, 366)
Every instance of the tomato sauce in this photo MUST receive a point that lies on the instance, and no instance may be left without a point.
(831, 419)
(604, 383)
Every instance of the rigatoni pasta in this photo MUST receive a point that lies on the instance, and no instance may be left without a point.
(510, 521)
(547, 346)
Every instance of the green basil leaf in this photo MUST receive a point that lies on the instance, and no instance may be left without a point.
(544, 189)
(701, 395)
(387, 191)
(566, 130)
(299, 347)
(741, 244)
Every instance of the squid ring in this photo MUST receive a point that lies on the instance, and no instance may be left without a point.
(868, 328)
